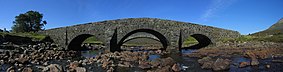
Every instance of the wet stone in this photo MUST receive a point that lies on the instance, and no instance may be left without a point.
(176, 68)
(55, 68)
(221, 64)
(254, 62)
(207, 65)
(243, 64)
(80, 69)
(144, 65)
(27, 69)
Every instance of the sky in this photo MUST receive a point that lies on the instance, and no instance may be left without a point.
(244, 16)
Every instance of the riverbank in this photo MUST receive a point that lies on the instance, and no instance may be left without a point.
(249, 56)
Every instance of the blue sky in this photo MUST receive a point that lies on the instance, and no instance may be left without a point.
(245, 16)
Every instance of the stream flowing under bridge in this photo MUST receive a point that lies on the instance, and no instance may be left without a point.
(114, 33)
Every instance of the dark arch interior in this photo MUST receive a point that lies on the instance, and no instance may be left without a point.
(75, 44)
(202, 39)
(161, 38)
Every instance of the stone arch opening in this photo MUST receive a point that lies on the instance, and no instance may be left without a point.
(141, 43)
(76, 42)
(162, 39)
(141, 37)
(189, 41)
(203, 41)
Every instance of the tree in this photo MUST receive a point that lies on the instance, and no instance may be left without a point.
(5, 30)
(1, 30)
(30, 21)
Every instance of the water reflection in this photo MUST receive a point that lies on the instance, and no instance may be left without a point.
(188, 51)
(90, 53)
(4, 67)
(153, 57)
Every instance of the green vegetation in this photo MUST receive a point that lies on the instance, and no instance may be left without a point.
(272, 34)
(133, 44)
(245, 38)
(272, 38)
(275, 29)
(190, 41)
(30, 21)
(92, 40)
(4, 30)
(33, 36)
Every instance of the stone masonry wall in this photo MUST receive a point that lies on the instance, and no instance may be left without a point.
(170, 29)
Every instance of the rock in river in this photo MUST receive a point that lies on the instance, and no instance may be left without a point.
(27, 69)
(207, 65)
(144, 65)
(243, 64)
(80, 69)
(204, 59)
(254, 62)
(176, 68)
(55, 68)
(221, 64)
(74, 65)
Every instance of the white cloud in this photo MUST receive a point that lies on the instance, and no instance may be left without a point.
(215, 6)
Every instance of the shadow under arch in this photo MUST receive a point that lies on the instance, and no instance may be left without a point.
(141, 37)
(203, 41)
(76, 42)
(161, 37)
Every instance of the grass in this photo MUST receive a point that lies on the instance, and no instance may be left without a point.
(190, 40)
(34, 36)
(272, 38)
(92, 40)
(245, 38)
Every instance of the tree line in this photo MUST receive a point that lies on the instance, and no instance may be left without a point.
(30, 21)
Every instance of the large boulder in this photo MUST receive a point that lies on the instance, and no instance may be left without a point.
(22, 59)
(74, 65)
(221, 64)
(80, 69)
(168, 62)
(144, 65)
(176, 68)
(243, 64)
(254, 62)
(27, 69)
(55, 68)
(204, 59)
(207, 65)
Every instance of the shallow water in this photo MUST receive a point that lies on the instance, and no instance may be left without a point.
(153, 57)
(4, 67)
(188, 51)
(90, 53)
(191, 65)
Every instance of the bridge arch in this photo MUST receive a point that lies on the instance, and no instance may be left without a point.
(76, 42)
(160, 37)
(203, 41)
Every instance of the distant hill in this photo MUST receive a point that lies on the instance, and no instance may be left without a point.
(275, 29)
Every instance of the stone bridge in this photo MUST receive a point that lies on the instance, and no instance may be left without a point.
(113, 33)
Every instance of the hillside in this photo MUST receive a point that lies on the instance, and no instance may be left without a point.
(275, 29)
(272, 34)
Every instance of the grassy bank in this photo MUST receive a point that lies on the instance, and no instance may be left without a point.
(190, 41)
(33, 36)
(92, 40)
(244, 38)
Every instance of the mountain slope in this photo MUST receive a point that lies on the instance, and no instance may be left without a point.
(275, 29)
